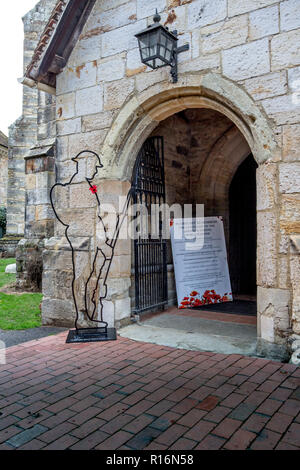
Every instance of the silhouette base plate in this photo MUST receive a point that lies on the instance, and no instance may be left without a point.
(91, 335)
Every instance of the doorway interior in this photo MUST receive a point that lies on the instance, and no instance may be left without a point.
(207, 161)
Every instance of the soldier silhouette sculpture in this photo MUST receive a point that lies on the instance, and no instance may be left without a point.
(95, 288)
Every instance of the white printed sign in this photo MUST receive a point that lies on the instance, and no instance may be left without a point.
(200, 264)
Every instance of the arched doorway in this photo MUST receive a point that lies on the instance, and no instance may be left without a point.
(155, 102)
(203, 151)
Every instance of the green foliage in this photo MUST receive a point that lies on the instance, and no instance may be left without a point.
(3, 219)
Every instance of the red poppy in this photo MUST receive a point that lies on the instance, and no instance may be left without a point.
(94, 189)
(171, 223)
(194, 293)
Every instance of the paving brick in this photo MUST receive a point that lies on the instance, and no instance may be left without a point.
(9, 432)
(241, 440)
(91, 441)
(160, 408)
(292, 436)
(242, 412)
(279, 422)
(290, 407)
(165, 421)
(115, 441)
(117, 423)
(211, 443)
(209, 403)
(281, 394)
(255, 422)
(199, 431)
(285, 446)
(87, 428)
(233, 400)
(226, 428)
(58, 431)
(217, 414)
(63, 443)
(171, 435)
(80, 418)
(268, 407)
(26, 436)
(184, 406)
(183, 444)
(266, 440)
(192, 417)
(35, 444)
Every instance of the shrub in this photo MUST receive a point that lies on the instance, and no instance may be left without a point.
(3, 220)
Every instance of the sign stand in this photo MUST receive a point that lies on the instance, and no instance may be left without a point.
(200, 262)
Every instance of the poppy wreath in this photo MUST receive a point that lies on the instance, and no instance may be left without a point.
(209, 297)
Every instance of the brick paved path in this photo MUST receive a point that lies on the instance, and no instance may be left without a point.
(130, 395)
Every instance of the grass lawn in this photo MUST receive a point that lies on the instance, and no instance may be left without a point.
(17, 312)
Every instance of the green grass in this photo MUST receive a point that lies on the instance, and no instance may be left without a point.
(6, 279)
(20, 312)
(17, 312)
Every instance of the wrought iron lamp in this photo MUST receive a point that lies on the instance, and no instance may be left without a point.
(158, 47)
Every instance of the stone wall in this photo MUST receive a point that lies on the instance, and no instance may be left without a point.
(244, 61)
(24, 133)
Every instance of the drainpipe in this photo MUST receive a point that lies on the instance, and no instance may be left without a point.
(40, 86)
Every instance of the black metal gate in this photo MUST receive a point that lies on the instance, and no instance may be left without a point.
(150, 252)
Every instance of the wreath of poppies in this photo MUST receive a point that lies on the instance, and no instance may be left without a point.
(209, 297)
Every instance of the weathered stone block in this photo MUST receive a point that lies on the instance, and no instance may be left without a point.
(97, 121)
(264, 22)
(266, 177)
(203, 12)
(284, 50)
(77, 78)
(267, 86)
(111, 69)
(121, 39)
(291, 142)
(289, 177)
(108, 313)
(283, 109)
(87, 141)
(88, 48)
(225, 34)
(237, 7)
(273, 311)
(146, 8)
(266, 249)
(58, 312)
(246, 61)
(289, 15)
(89, 101)
(212, 61)
(70, 126)
(65, 106)
(115, 17)
(122, 308)
(117, 92)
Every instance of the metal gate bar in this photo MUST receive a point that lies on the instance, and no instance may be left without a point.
(148, 187)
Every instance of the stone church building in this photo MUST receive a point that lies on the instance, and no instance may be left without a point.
(230, 127)
(3, 169)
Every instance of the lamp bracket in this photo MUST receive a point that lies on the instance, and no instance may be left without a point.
(174, 67)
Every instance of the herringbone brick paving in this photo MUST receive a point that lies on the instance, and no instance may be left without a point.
(132, 395)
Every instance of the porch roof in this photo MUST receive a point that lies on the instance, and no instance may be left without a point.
(57, 42)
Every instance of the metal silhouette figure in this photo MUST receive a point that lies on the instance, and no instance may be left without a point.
(101, 332)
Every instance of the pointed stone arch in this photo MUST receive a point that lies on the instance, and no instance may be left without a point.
(143, 112)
